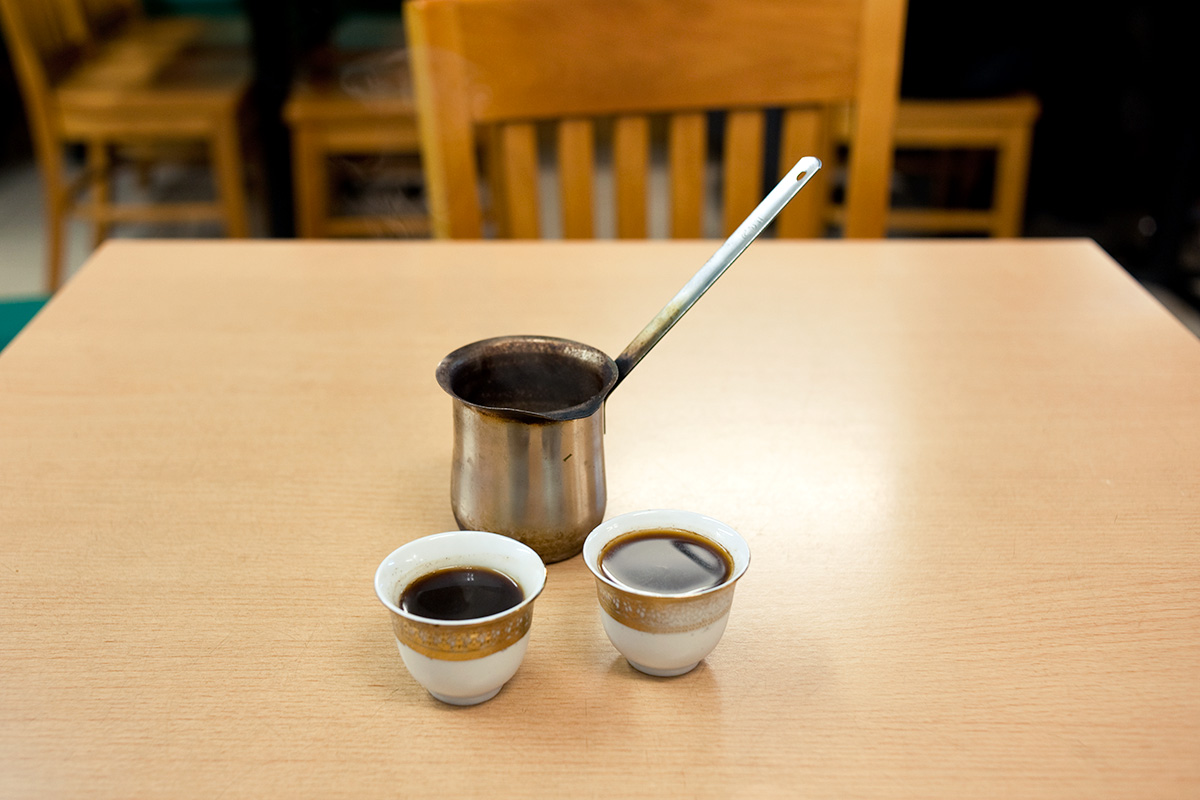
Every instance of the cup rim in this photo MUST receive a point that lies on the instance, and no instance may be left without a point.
(519, 548)
(652, 518)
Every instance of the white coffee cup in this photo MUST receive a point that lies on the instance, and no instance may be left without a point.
(658, 633)
(461, 662)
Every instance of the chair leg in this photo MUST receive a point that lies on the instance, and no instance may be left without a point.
(56, 200)
(1012, 178)
(231, 187)
(99, 166)
(311, 184)
(141, 168)
(55, 217)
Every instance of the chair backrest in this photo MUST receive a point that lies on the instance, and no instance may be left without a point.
(45, 43)
(501, 73)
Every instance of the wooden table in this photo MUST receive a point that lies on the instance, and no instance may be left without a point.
(969, 473)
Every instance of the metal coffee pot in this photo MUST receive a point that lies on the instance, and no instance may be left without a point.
(528, 439)
(529, 412)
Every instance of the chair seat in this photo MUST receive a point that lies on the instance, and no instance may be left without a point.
(985, 121)
(347, 86)
(196, 83)
(324, 104)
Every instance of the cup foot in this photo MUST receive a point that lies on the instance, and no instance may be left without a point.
(467, 701)
(662, 673)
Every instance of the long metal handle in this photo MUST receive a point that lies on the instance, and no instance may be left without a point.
(726, 254)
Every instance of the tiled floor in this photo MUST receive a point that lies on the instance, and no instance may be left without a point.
(22, 223)
(22, 239)
(22, 244)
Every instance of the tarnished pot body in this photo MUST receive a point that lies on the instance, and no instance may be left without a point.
(528, 459)
(542, 483)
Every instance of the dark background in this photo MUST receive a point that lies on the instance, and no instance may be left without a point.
(1114, 154)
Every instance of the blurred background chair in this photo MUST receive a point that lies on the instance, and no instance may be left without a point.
(625, 82)
(972, 157)
(353, 108)
(160, 88)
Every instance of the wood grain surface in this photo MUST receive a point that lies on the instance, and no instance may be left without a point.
(967, 472)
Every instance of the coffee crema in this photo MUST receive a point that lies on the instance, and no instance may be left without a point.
(458, 593)
(665, 561)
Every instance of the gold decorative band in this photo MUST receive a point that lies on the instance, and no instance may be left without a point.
(664, 614)
(463, 642)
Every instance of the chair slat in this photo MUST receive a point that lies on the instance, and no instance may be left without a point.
(1012, 173)
(804, 133)
(518, 161)
(869, 172)
(576, 149)
(493, 157)
(743, 166)
(687, 148)
(631, 160)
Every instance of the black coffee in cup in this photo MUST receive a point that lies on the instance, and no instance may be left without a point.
(666, 561)
(458, 593)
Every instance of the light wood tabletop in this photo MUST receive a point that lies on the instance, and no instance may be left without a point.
(968, 473)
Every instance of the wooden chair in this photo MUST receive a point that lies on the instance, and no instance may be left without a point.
(1002, 125)
(503, 69)
(331, 115)
(141, 90)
